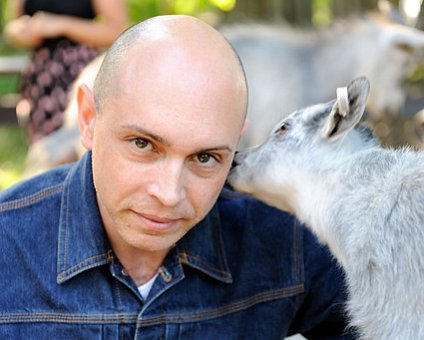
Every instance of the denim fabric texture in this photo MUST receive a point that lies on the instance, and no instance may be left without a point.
(247, 271)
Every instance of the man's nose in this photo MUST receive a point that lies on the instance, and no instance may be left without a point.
(168, 184)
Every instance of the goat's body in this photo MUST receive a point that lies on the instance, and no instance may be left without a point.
(372, 219)
(365, 202)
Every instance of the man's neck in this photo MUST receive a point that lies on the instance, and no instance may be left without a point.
(140, 264)
(141, 267)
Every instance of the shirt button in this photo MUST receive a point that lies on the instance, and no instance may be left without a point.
(166, 275)
(124, 272)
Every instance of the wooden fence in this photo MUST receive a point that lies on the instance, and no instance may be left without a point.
(299, 12)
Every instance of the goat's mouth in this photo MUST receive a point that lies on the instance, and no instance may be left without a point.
(232, 174)
(234, 163)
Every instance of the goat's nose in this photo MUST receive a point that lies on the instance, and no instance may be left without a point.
(234, 163)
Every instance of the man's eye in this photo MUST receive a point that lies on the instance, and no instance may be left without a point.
(204, 157)
(141, 143)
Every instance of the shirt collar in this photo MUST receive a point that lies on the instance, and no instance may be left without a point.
(82, 243)
(202, 248)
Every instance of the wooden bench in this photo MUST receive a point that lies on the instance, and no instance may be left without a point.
(10, 65)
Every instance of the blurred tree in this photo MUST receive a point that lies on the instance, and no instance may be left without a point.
(300, 12)
(322, 14)
(1, 16)
(420, 20)
(4, 15)
(297, 12)
(343, 8)
(210, 10)
(140, 10)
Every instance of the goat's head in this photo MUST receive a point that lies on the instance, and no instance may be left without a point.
(308, 140)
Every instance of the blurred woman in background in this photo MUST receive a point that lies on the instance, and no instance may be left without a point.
(63, 37)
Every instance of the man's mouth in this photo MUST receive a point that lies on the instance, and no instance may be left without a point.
(157, 223)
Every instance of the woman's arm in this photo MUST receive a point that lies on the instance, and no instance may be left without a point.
(112, 19)
(16, 30)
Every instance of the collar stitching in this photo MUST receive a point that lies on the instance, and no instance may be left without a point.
(206, 267)
(90, 262)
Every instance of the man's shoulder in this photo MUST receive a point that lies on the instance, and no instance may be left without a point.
(246, 220)
(29, 211)
(234, 205)
(33, 190)
(242, 215)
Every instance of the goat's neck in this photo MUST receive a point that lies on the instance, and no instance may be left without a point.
(313, 198)
(318, 189)
(338, 197)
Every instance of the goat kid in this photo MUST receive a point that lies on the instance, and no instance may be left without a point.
(363, 201)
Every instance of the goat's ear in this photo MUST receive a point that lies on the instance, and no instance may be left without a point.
(348, 108)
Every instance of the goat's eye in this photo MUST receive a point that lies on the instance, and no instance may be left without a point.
(285, 126)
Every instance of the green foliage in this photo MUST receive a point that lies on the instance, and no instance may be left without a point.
(9, 84)
(140, 10)
(418, 74)
(13, 149)
(321, 13)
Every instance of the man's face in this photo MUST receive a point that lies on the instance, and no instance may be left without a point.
(160, 159)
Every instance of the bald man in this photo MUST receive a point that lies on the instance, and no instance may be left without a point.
(139, 239)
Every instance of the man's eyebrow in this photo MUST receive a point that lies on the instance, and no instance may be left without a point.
(216, 148)
(162, 140)
(149, 134)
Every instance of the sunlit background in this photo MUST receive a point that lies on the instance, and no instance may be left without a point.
(410, 8)
(315, 13)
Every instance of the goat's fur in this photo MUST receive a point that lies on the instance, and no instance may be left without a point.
(290, 68)
(365, 202)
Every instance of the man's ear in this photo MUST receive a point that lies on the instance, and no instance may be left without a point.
(86, 115)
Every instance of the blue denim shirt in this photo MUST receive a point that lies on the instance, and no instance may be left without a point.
(247, 271)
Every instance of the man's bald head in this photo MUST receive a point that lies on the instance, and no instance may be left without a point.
(184, 43)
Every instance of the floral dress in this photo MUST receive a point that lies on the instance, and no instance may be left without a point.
(54, 65)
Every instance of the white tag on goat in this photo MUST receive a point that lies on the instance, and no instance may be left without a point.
(343, 101)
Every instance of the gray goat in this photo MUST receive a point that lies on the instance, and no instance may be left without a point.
(291, 68)
(365, 202)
